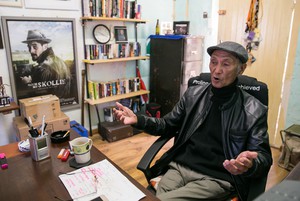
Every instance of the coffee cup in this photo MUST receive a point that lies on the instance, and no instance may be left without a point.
(81, 145)
(83, 158)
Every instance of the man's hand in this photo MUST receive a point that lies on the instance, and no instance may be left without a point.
(241, 164)
(124, 114)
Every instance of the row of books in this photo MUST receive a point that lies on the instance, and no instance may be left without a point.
(110, 51)
(100, 89)
(112, 8)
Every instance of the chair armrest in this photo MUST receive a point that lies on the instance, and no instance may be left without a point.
(294, 173)
(146, 160)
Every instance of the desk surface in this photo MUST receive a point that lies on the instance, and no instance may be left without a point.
(26, 179)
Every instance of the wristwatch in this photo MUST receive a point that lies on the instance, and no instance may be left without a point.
(101, 33)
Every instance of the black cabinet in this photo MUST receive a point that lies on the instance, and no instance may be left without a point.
(172, 62)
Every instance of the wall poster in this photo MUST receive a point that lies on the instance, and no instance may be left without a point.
(41, 58)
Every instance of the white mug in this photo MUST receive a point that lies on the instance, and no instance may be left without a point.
(81, 145)
(83, 158)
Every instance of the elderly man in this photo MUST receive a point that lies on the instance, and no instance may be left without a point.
(51, 72)
(221, 134)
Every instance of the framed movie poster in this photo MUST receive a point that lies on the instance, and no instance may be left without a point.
(41, 58)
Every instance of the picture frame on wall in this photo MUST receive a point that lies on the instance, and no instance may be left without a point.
(181, 27)
(41, 58)
(53, 4)
(121, 34)
(12, 3)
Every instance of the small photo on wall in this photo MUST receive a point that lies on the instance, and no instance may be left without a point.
(181, 27)
(121, 34)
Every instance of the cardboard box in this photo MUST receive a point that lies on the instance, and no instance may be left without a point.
(57, 124)
(37, 107)
(113, 131)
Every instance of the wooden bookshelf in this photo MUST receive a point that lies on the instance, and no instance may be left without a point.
(116, 97)
(89, 16)
(115, 60)
(113, 19)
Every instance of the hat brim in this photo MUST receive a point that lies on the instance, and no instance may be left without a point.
(39, 40)
(242, 58)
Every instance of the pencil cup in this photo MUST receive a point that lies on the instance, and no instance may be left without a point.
(39, 147)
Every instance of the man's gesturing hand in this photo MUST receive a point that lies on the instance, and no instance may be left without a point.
(241, 164)
(124, 114)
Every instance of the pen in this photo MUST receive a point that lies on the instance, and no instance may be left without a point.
(30, 123)
(43, 125)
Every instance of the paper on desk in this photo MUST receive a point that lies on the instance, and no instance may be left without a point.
(113, 185)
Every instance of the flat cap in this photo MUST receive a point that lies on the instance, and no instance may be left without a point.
(232, 47)
(35, 35)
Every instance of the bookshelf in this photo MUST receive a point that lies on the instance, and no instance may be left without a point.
(90, 15)
(116, 97)
(115, 60)
(113, 19)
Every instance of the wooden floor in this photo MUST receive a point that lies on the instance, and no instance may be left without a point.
(128, 152)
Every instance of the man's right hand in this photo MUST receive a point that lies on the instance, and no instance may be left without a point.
(124, 114)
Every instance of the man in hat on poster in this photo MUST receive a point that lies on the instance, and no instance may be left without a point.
(51, 72)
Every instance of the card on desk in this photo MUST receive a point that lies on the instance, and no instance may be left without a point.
(287, 190)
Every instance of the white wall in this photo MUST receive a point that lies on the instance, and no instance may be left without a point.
(151, 10)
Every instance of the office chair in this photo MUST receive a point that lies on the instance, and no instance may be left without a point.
(249, 84)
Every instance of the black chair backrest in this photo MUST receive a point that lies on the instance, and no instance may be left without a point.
(251, 85)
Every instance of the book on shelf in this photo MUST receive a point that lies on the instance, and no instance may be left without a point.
(91, 90)
(111, 8)
(99, 89)
(111, 51)
(96, 90)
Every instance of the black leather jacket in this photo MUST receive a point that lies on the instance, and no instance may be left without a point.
(244, 123)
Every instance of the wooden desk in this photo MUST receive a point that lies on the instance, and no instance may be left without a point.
(28, 180)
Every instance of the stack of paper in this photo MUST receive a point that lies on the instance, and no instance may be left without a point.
(102, 180)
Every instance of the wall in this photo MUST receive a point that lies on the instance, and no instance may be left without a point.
(293, 109)
(289, 109)
(193, 10)
(275, 57)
